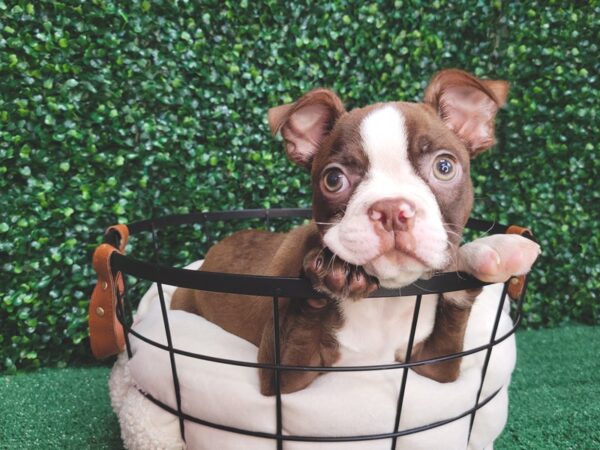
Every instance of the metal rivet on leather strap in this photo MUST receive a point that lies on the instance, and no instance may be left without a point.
(514, 280)
(100, 311)
(104, 285)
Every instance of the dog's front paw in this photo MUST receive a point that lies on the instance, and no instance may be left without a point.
(496, 258)
(336, 278)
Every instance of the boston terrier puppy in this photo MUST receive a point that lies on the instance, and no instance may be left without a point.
(391, 196)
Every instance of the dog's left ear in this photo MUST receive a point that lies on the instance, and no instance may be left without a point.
(468, 106)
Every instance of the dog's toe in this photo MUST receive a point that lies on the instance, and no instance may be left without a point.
(360, 284)
(336, 279)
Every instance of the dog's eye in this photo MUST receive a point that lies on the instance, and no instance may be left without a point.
(444, 168)
(334, 180)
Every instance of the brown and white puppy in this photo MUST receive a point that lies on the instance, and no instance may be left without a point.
(391, 195)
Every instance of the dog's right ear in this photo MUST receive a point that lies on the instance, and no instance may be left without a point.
(305, 123)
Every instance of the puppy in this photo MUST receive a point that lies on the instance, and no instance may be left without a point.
(391, 196)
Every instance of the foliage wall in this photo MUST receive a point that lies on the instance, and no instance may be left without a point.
(117, 111)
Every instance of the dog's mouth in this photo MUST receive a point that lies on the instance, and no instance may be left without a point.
(408, 256)
(399, 262)
(399, 246)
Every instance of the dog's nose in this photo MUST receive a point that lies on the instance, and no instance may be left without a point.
(396, 214)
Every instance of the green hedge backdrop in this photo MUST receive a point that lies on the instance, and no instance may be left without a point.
(116, 111)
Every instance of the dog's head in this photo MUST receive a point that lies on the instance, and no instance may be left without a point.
(391, 184)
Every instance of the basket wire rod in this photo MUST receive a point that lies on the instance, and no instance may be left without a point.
(521, 298)
(300, 438)
(395, 366)
(128, 311)
(488, 352)
(124, 322)
(280, 213)
(165, 317)
(277, 351)
(411, 340)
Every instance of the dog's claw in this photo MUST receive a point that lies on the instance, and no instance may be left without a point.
(318, 263)
(336, 278)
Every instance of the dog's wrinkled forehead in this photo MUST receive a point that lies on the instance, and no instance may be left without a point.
(389, 136)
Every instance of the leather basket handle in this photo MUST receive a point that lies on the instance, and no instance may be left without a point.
(517, 284)
(107, 336)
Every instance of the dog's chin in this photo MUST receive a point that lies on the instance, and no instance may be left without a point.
(395, 270)
(393, 265)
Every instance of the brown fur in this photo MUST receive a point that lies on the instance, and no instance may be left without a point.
(307, 333)
(447, 336)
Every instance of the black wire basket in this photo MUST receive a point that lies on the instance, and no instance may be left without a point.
(115, 314)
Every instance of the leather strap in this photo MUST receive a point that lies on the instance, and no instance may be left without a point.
(121, 232)
(517, 284)
(107, 336)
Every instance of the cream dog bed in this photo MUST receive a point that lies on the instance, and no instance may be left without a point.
(336, 404)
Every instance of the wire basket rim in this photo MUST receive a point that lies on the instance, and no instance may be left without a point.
(270, 286)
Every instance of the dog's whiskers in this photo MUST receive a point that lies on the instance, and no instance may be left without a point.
(421, 287)
(321, 252)
(458, 235)
(331, 261)
(326, 223)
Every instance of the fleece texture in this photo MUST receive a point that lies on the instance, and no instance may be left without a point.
(336, 404)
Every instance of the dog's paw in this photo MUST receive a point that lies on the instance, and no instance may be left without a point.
(336, 278)
(496, 258)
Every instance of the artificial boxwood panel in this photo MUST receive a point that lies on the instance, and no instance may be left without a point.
(116, 111)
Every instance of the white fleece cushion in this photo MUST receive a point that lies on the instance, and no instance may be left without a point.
(335, 404)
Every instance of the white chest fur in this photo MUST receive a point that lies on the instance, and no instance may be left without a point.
(375, 328)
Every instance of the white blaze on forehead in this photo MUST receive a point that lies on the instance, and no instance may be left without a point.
(385, 141)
